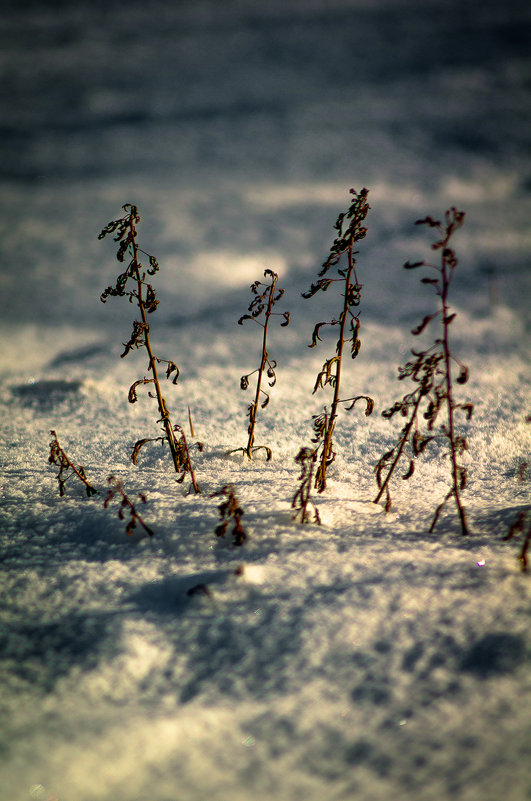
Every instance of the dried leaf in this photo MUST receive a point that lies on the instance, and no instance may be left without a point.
(315, 334)
(139, 444)
(172, 368)
(410, 471)
(462, 378)
(421, 326)
(428, 221)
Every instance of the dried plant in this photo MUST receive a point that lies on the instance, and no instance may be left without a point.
(306, 458)
(350, 230)
(230, 509)
(67, 468)
(144, 297)
(126, 506)
(431, 372)
(265, 297)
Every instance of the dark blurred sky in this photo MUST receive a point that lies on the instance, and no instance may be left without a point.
(96, 88)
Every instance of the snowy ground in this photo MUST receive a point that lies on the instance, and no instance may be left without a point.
(363, 660)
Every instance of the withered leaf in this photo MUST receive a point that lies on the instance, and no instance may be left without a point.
(315, 334)
(468, 408)
(410, 470)
(421, 326)
(172, 368)
(462, 378)
(428, 221)
(153, 265)
(369, 404)
(139, 444)
(132, 396)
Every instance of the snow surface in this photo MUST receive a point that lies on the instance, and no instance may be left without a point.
(361, 660)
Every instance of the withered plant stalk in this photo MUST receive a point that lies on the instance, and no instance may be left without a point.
(228, 510)
(144, 297)
(350, 230)
(431, 371)
(306, 458)
(265, 297)
(67, 468)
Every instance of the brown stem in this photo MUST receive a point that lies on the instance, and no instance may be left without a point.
(320, 479)
(79, 472)
(254, 408)
(401, 448)
(195, 485)
(165, 417)
(449, 398)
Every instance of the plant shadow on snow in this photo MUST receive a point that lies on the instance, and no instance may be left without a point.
(43, 652)
(48, 395)
(494, 653)
(246, 647)
(174, 595)
(75, 356)
(66, 530)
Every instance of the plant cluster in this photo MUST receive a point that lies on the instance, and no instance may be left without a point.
(431, 372)
(67, 469)
(265, 297)
(430, 409)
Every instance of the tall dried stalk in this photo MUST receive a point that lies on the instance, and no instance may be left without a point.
(265, 297)
(144, 296)
(431, 371)
(350, 231)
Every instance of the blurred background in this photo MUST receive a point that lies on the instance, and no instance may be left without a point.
(238, 128)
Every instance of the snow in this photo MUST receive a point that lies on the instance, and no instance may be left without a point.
(361, 659)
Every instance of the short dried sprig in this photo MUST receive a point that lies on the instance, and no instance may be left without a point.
(265, 297)
(67, 468)
(430, 370)
(306, 459)
(230, 511)
(350, 230)
(126, 507)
